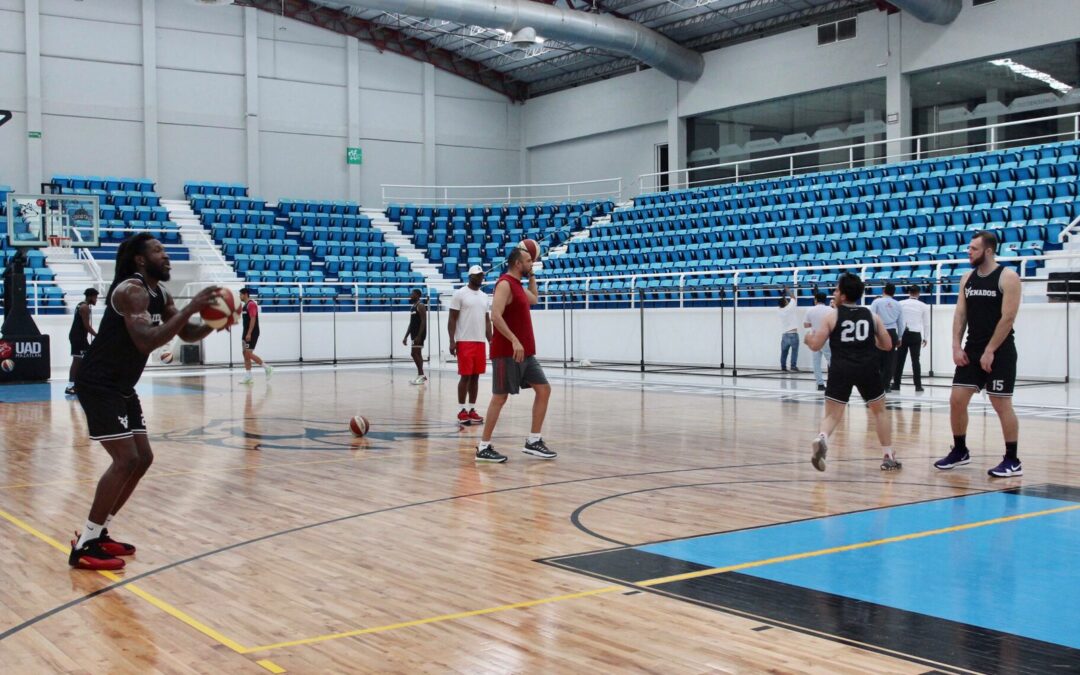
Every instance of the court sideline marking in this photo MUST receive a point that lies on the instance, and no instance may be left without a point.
(668, 579)
(148, 597)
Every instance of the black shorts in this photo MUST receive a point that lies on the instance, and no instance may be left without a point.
(998, 382)
(509, 377)
(110, 415)
(250, 344)
(843, 378)
(78, 348)
(417, 340)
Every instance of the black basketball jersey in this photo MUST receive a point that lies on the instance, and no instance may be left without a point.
(852, 341)
(78, 334)
(247, 317)
(414, 318)
(113, 361)
(984, 298)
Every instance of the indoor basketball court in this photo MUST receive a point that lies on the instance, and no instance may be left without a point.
(639, 214)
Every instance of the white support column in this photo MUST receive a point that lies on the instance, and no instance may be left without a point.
(897, 94)
(150, 94)
(34, 155)
(676, 132)
(352, 104)
(429, 176)
(251, 82)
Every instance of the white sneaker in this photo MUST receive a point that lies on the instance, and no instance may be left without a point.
(268, 370)
(420, 379)
(247, 379)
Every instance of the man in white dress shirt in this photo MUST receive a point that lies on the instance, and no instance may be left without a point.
(916, 324)
(789, 327)
(815, 316)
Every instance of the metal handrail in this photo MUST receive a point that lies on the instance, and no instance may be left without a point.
(508, 197)
(990, 143)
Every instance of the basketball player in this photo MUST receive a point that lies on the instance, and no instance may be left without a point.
(250, 313)
(78, 336)
(139, 317)
(470, 331)
(987, 306)
(513, 357)
(417, 331)
(855, 337)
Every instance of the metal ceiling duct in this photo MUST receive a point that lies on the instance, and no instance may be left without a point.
(941, 12)
(595, 30)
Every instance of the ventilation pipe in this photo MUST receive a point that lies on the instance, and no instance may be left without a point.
(941, 12)
(594, 30)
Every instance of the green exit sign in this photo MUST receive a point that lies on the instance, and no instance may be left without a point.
(354, 156)
(34, 134)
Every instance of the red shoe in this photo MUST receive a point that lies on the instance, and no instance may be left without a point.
(91, 557)
(113, 547)
(463, 418)
(475, 418)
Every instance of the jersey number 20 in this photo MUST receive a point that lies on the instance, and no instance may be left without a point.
(852, 331)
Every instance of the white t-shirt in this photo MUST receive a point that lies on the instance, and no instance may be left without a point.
(789, 318)
(815, 316)
(472, 306)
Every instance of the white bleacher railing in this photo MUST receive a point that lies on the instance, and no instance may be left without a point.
(1070, 233)
(923, 146)
(591, 284)
(588, 190)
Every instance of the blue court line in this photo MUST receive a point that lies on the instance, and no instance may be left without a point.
(1017, 577)
(54, 391)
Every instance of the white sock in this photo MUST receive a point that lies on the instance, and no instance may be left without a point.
(108, 519)
(533, 438)
(822, 436)
(90, 531)
(463, 408)
(472, 407)
(485, 444)
(888, 452)
(70, 383)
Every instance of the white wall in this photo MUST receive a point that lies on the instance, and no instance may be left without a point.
(783, 65)
(626, 154)
(261, 100)
(688, 336)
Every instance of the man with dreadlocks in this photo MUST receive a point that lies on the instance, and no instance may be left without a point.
(139, 317)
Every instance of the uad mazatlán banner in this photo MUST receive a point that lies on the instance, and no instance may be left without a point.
(24, 359)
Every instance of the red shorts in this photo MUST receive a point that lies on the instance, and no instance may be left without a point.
(471, 358)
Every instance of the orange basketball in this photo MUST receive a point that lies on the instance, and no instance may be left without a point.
(224, 311)
(359, 426)
(532, 247)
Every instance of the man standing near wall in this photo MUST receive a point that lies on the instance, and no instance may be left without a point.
(513, 357)
(470, 332)
(815, 316)
(789, 328)
(916, 315)
(891, 315)
(79, 336)
(417, 332)
(250, 336)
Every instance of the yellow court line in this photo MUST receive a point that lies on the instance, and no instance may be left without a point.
(664, 580)
(111, 576)
(271, 666)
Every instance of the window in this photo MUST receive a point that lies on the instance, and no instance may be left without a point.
(844, 29)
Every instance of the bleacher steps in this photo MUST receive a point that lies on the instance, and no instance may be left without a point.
(213, 266)
(73, 275)
(405, 248)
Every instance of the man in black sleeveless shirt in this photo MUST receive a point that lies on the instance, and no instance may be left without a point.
(139, 317)
(417, 332)
(988, 303)
(855, 336)
(79, 336)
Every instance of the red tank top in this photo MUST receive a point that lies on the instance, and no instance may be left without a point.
(518, 317)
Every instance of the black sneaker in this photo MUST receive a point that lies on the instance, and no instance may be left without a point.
(795, 370)
(890, 464)
(488, 454)
(1007, 469)
(953, 459)
(69, 391)
(821, 387)
(539, 449)
(90, 556)
(820, 449)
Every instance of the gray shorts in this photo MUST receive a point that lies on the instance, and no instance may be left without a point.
(509, 377)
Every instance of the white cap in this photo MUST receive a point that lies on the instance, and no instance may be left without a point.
(475, 269)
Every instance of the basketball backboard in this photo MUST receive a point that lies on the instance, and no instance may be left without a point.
(36, 221)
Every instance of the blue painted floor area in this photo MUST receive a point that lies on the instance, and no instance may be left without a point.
(1018, 577)
(49, 391)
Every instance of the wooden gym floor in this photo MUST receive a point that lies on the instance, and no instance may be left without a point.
(681, 530)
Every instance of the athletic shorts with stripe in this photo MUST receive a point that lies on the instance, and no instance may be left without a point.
(111, 415)
(509, 376)
(843, 380)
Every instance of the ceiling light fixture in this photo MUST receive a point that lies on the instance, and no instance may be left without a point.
(1024, 71)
